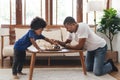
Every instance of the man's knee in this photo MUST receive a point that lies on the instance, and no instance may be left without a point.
(98, 73)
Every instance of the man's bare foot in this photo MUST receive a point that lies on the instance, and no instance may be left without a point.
(22, 73)
(15, 77)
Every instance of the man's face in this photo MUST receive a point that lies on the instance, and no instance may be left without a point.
(39, 31)
(70, 27)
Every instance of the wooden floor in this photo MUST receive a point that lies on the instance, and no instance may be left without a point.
(116, 74)
(60, 63)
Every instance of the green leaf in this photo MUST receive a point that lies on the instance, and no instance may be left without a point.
(109, 23)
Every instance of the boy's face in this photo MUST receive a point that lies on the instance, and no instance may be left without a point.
(39, 31)
(70, 27)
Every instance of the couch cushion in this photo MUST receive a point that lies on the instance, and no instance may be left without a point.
(19, 32)
(65, 35)
(51, 34)
(8, 50)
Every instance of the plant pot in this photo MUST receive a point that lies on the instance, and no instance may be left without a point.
(112, 55)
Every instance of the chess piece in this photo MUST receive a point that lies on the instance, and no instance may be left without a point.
(57, 47)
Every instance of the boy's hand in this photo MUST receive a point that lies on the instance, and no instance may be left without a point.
(54, 42)
(39, 50)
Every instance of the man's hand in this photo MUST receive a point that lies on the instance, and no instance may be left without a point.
(60, 43)
(68, 46)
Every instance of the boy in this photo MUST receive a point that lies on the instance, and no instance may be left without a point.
(37, 26)
(96, 46)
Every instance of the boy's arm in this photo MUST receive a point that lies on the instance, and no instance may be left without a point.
(58, 42)
(49, 40)
(35, 44)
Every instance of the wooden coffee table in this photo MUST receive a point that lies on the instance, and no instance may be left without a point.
(34, 52)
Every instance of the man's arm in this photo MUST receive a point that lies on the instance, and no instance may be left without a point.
(63, 43)
(68, 41)
(77, 46)
(52, 41)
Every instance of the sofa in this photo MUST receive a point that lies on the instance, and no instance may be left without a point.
(16, 31)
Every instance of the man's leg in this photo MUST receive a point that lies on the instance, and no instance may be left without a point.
(89, 60)
(99, 67)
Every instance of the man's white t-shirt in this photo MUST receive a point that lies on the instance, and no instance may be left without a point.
(93, 41)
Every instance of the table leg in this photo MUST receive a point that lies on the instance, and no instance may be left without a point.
(82, 62)
(32, 65)
(49, 61)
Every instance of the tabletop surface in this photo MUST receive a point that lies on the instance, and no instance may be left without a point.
(62, 50)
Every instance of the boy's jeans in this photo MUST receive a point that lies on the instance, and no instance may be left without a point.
(18, 61)
(95, 61)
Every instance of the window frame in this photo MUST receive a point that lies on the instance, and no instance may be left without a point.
(48, 16)
(49, 13)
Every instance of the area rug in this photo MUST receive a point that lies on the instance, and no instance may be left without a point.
(55, 74)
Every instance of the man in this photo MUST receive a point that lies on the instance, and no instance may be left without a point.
(96, 46)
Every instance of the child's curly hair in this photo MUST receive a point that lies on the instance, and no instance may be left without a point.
(37, 23)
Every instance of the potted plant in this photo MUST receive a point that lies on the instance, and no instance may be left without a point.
(110, 26)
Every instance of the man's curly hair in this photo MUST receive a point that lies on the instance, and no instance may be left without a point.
(69, 20)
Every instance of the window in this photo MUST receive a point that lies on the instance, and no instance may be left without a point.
(62, 9)
(115, 4)
(88, 17)
(13, 11)
(7, 12)
(54, 13)
(31, 9)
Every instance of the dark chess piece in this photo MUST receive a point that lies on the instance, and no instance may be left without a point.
(56, 47)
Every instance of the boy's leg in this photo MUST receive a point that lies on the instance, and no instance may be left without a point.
(15, 62)
(21, 62)
(99, 67)
(89, 60)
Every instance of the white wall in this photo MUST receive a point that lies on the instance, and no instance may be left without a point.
(116, 43)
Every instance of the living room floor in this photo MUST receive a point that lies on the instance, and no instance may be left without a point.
(60, 64)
